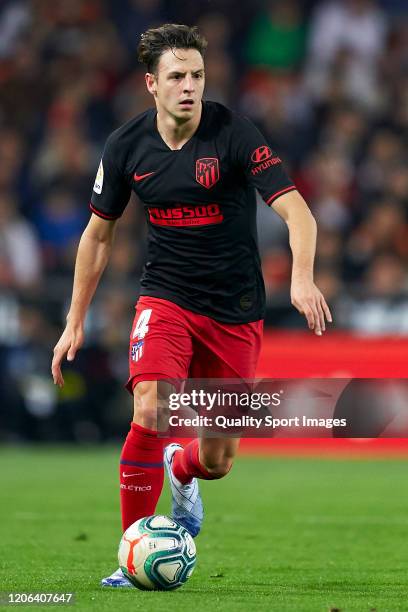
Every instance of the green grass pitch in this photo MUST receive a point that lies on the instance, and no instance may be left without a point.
(280, 534)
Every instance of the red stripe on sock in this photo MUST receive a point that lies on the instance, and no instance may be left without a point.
(186, 464)
(140, 482)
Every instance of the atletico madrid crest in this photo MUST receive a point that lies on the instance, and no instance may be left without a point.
(137, 350)
(207, 171)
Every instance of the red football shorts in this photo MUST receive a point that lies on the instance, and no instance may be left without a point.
(171, 342)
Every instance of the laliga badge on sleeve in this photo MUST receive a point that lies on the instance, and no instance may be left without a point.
(99, 180)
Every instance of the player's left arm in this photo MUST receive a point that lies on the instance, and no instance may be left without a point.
(264, 170)
(305, 296)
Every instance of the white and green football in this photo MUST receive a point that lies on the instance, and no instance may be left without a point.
(157, 553)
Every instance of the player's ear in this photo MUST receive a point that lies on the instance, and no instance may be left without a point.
(151, 83)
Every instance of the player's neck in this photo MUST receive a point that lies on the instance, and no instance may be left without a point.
(175, 134)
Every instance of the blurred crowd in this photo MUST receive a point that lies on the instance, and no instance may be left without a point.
(326, 81)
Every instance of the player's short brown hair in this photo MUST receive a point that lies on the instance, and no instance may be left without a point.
(156, 41)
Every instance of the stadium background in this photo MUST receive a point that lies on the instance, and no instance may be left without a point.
(327, 82)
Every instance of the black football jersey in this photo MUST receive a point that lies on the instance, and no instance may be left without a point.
(200, 207)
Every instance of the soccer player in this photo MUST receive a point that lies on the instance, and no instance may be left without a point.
(195, 166)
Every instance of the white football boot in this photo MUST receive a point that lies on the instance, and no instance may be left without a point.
(187, 506)
(117, 580)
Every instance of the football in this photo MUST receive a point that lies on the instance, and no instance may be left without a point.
(157, 553)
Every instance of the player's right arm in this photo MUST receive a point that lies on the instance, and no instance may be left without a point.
(110, 196)
(92, 256)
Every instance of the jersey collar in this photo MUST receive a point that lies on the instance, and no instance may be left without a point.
(197, 133)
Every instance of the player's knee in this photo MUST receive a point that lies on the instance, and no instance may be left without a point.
(151, 405)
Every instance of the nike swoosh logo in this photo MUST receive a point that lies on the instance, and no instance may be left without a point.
(140, 177)
(127, 475)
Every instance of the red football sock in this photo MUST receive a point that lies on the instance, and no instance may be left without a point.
(141, 474)
(186, 464)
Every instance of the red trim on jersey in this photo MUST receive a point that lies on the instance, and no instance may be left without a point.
(101, 214)
(281, 192)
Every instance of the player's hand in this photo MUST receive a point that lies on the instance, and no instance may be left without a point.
(309, 301)
(71, 340)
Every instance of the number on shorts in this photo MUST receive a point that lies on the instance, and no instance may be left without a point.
(142, 327)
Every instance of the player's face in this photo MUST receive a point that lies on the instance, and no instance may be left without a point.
(178, 84)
